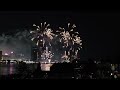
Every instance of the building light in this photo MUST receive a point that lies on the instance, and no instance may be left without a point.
(6, 53)
(11, 52)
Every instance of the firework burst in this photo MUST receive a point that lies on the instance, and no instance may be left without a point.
(41, 32)
(71, 42)
(63, 43)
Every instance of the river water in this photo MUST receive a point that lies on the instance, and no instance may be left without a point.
(9, 69)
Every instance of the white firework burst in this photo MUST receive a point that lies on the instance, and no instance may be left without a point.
(67, 40)
(72, 42)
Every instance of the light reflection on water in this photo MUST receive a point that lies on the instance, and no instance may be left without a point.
(6, 69)
(12, 68)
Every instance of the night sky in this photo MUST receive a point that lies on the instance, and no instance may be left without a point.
(99, 31)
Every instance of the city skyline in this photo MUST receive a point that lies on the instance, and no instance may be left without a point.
(99, 31)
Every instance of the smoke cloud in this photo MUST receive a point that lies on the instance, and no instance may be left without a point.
(19, 43)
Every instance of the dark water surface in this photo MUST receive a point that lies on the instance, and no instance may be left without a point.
(12, 68)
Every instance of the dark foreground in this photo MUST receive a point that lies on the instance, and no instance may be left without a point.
(62, 71)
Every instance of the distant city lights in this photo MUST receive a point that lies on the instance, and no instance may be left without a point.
(6, 53)
(12, 52)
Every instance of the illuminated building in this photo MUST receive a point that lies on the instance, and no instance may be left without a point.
(5, 57)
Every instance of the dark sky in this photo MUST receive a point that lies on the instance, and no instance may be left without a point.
(99, 31)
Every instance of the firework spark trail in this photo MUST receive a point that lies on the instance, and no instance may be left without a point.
(66, 39)
(41, 32)
(70, 40)
(42, 36)
(47, 55)
(61, 43)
